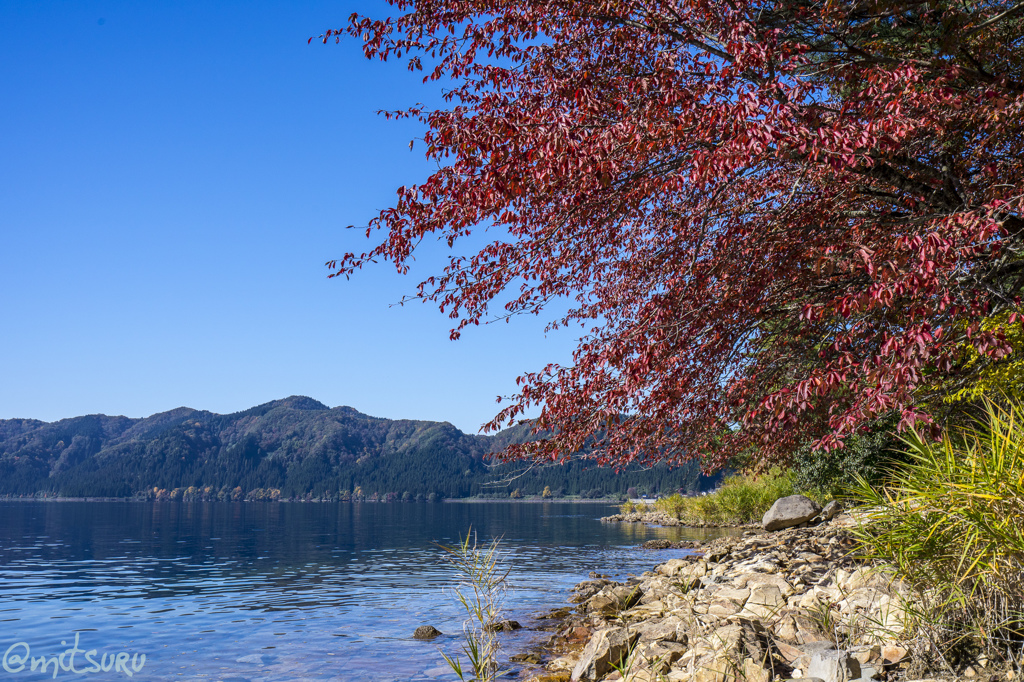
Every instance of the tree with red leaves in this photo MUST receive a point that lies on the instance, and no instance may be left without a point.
(775, 220)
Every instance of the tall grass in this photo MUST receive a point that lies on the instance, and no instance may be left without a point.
(741, 499)
(480, 590)
(950, 522)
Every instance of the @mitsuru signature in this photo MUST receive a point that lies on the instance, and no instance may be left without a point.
(18, 657)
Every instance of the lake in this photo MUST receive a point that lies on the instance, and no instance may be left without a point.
(279, 591)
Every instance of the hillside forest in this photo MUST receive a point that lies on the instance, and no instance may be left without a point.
(296, 448)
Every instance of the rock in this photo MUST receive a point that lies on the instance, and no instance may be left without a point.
(606, 647)
(738, 595)
(670, 567)
(830, 511)
(719, 669)
(525, 658)
(891, 617)
(563, 663)
(789, 511)
(752, 671)
(698, 569)
(764, 603)
(812, 648)
(891, 655)
(867, 654)
(863, 598)
(789, 653)
(834, 666)
(558, 676)
(587, 589)
(426, 632)
(672, 629)
(657, 544)
(739, 607)
(258, 659)
(502, 626)
(557, 614)
(808, 631)
(602, 603)
(752, 580)
(785, 629)
(628, 595)
(652, 661)
(724, 608)
(869, 672)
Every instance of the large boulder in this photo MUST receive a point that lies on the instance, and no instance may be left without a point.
(790, 511)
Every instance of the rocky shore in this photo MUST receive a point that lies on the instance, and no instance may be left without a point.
(767, 606)
(652, 517)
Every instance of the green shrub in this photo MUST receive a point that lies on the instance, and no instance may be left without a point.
(672, 505)
(820, 473)
(740, 499)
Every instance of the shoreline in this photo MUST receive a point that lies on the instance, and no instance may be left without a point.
(754, 607)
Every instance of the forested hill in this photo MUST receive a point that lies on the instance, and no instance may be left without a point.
(296, 447)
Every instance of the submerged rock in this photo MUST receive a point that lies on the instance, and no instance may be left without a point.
(503, 626)
(426, 632)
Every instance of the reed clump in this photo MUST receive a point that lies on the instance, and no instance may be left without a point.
(482, 581)
(950, 522)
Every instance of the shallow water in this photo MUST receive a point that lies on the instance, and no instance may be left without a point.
(279, 591)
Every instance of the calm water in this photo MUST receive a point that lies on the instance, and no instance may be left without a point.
(233, 591)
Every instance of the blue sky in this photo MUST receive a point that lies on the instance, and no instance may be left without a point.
(173, 176)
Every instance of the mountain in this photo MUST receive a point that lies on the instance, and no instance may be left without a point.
(296, 447)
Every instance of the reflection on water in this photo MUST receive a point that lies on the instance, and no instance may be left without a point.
(250, 591)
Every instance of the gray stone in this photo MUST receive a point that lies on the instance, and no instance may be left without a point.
(587, 589)
(811, 648)
(426, 632)
(603, 603)
(834, 666)
(870, 672)
(790, 511)
(671, 629)
(604, 648)
(830, 511)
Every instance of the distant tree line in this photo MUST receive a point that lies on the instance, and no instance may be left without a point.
(295, 449)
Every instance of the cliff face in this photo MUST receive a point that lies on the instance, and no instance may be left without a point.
(297, 445)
